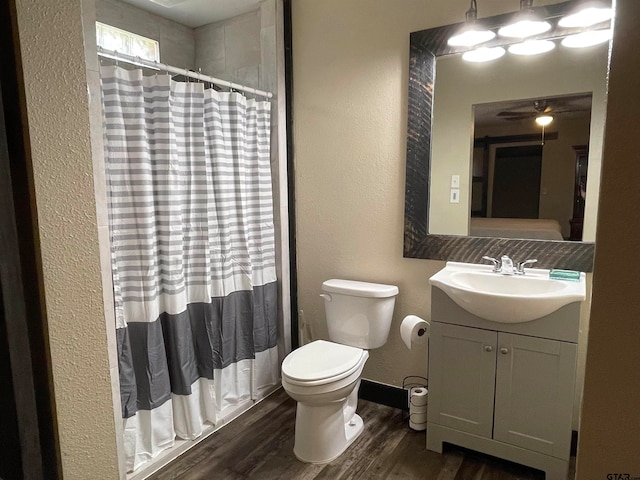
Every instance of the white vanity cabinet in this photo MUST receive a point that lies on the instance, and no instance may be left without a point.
(462, 370)
(503, 389)
(535, 380)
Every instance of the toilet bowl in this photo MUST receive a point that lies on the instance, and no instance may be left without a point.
(323, 377)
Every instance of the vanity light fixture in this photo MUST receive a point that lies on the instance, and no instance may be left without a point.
(526, 23)
(532, 47)
(483, 54)
(587, 39)
(471, 33)
(588, 13)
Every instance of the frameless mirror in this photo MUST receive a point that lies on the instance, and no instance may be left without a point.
(444, 93)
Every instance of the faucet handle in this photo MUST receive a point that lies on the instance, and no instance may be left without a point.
(496, 263)
(521, 265)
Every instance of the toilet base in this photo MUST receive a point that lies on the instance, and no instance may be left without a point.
(326, 420)
(311, 450)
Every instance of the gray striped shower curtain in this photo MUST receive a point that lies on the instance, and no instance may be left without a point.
(193, 255)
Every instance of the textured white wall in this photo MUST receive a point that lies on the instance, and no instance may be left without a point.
(52, 50)
(350, 74)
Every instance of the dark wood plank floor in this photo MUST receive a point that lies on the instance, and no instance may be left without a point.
(259, 445)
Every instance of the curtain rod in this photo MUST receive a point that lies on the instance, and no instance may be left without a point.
(103, 52)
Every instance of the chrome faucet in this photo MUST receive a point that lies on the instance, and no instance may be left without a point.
(503, 266)
(521, 265)
(496, 263)
(506, 266)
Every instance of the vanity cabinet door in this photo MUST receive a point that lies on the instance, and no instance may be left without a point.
(462, 364)
(535, 380)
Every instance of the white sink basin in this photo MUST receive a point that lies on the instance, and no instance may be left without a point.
(506, 298)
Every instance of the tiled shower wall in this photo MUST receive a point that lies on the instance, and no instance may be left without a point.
(230, 49)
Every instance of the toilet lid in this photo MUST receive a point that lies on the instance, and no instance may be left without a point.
(319, 360)
(359, 289)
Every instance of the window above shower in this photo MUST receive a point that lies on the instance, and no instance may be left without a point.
(121, 41)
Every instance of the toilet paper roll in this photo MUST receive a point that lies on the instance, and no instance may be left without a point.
(414, 330)
(421, 409)
(418, 418)
(417, 426)
(418, 396)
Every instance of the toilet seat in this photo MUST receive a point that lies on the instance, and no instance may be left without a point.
(322, 362)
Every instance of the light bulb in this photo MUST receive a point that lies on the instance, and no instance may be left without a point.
(524, 28)
(470, 36)
(587, 39)
(471, 33)
(532, 47)
(483, 54)
(544, 120)
(587, 17)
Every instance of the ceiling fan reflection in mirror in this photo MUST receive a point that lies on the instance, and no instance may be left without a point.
(573, 105)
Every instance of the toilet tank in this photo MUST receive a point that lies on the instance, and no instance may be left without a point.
(358, 313)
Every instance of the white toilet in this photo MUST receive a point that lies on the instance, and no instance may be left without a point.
(324, 377)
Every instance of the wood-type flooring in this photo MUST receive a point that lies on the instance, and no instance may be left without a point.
(259, 445)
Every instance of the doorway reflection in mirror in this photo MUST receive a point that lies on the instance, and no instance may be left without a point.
(523, 184)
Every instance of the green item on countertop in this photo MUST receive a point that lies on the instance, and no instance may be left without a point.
(569, 275)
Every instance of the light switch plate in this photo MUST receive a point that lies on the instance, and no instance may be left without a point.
(455, 181)
(454, 195)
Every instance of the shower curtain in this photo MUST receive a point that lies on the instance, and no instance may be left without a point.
(193, 255)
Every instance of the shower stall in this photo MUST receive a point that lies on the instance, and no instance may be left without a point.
(195, 197)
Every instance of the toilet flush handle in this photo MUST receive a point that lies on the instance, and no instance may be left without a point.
(326, 297)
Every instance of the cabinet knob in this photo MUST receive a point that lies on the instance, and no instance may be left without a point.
(488, 348)
(504, 350)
